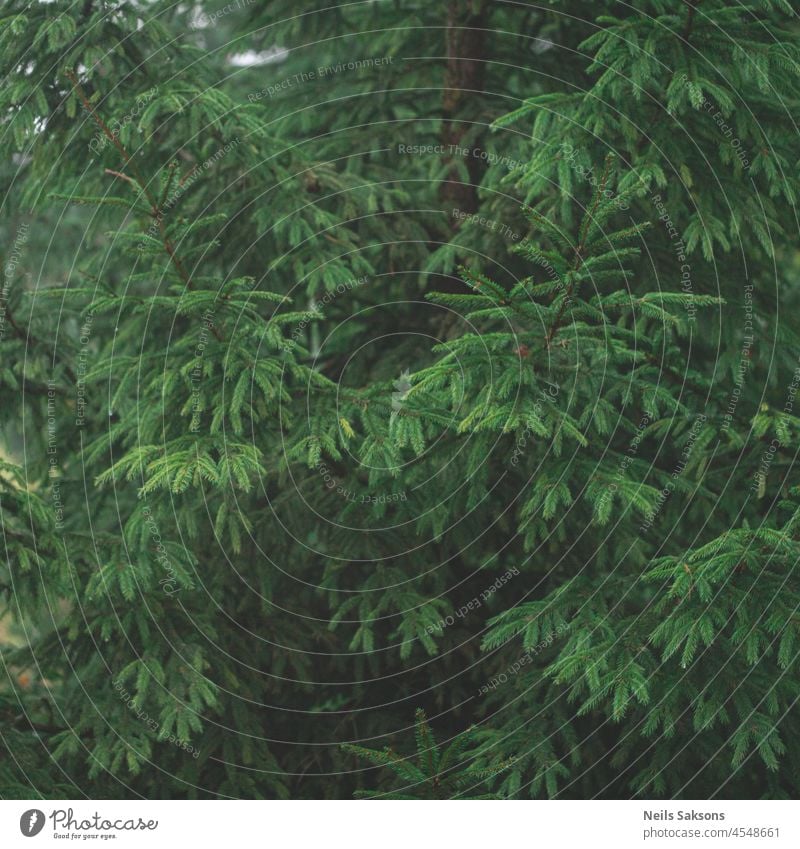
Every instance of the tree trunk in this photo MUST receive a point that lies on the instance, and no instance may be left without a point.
(464, 81)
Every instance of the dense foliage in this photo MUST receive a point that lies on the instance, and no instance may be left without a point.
(365, 359)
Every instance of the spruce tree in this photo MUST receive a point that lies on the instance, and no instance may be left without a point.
(375, 370)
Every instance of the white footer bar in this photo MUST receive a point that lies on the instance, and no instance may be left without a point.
(405, 825)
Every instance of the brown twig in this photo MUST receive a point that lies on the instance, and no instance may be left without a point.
(121, 176)
(687, 30)
(137, 181)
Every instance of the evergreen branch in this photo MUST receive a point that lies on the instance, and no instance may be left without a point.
(139, 181)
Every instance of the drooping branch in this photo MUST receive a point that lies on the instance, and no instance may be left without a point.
(156, 209)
